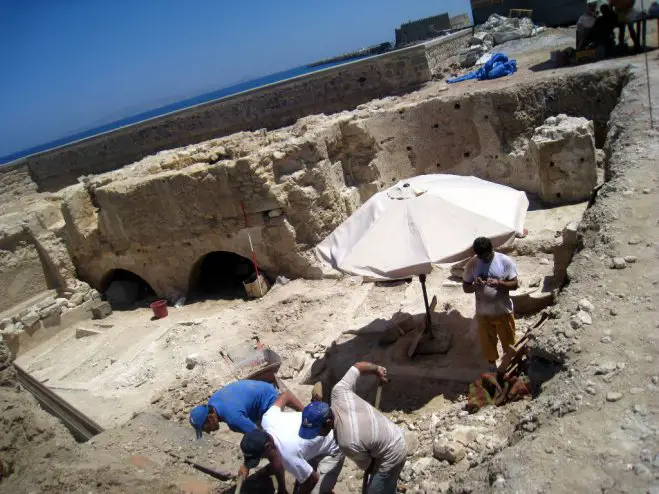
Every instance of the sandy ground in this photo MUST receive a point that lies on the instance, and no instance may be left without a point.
(576, 437)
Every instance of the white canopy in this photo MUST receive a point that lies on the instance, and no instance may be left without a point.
(424, 220)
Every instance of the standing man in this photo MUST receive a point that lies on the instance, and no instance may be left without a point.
(315, 463)
(364, 435)
(240, 404)
(491, 276)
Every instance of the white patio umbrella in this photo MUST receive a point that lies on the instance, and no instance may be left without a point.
(424, 220)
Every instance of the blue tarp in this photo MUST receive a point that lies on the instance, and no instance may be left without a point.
(495, 67)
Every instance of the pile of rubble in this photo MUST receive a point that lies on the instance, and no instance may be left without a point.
(48, 312)
(496, 30)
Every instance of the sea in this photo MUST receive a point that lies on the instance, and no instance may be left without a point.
(172, 107)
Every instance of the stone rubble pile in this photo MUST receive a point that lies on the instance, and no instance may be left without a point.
(496, 30)
(48, 312)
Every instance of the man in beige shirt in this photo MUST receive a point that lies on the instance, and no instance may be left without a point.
(363, 434)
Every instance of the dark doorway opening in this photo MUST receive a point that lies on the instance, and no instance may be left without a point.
(220, 275)
(126, 290)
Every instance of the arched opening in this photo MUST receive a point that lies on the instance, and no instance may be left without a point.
(126, 290)
(220, 275)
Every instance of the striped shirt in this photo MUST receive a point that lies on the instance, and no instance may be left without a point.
(361, 431)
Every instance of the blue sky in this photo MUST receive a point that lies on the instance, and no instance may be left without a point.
(70, 65)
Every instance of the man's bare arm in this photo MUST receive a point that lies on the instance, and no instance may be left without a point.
(307, 486)
(288, 399)
(368, 368)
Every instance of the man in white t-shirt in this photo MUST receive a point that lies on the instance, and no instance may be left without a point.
(491, 276)
(280, 442)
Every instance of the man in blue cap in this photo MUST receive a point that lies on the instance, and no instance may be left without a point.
(315, 463)
(240, 404)
(363, 434)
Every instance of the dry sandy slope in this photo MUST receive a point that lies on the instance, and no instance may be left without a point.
(610, 443)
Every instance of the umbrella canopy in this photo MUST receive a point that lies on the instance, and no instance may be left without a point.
(424, 220)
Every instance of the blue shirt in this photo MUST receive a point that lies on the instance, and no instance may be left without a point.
(242, 403)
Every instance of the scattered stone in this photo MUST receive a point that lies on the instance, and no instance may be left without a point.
(631, 259)
(605, 339)
(535, 281)
(568, 333)
(544, 261)
(576, 323)
(411, 443)
(634, 240)
(101, 310)
(605, 368)
(499, 482)
(62, 302)
(464, 434)
(191, 361)
(584, 317)
(463, 413)
(618, 263)
(47, 302)
(641, 470)
(646, 191)
(591, 390)
(421, 465)
(655, 462)
(77, 298)
(613, 396)
(529, 426)
(586, 305)
(452, 452)
(51, 310)
(627, 193)
(30, 319)
(85, 332)
(613, 312)
(655, 379)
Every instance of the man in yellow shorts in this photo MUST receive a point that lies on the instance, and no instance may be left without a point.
(491, 276)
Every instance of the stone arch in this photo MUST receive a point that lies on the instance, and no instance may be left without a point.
(219, 274)
(125, 289)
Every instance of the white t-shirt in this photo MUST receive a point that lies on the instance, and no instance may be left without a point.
(296, 452)
(491, 301)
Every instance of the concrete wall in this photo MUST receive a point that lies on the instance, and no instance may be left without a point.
(422, 29)
(328, 91)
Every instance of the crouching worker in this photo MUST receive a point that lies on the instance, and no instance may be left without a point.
(363, 434)
(315, 463)
(240, 404)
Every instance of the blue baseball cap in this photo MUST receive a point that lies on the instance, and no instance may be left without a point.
(314, 416)
(198, 416)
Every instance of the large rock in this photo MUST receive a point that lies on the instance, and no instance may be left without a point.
(450, 451)
(564, 151)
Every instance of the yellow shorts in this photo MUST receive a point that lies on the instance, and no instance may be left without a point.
(492, 328)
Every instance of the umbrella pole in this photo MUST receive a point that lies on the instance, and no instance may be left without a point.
(422, 279)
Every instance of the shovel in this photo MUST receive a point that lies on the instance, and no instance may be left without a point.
(369, 470)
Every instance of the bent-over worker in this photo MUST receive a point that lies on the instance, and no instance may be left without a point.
(240, 404)
(364, 435)
(491, 276)
(279, 441)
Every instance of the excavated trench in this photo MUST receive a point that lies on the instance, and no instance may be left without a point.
(446, 369)
(485, 133)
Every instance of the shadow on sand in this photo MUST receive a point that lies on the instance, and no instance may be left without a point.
(441, 367)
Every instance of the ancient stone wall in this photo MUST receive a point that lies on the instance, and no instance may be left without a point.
(273, 106)
(15, 182)
(328, 91)
(440, 50)
(159, 216)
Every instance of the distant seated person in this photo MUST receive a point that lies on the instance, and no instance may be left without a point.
(240, 404)
(585, 23)
(601, 36)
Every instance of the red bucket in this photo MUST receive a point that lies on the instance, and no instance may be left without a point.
(159, 308)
